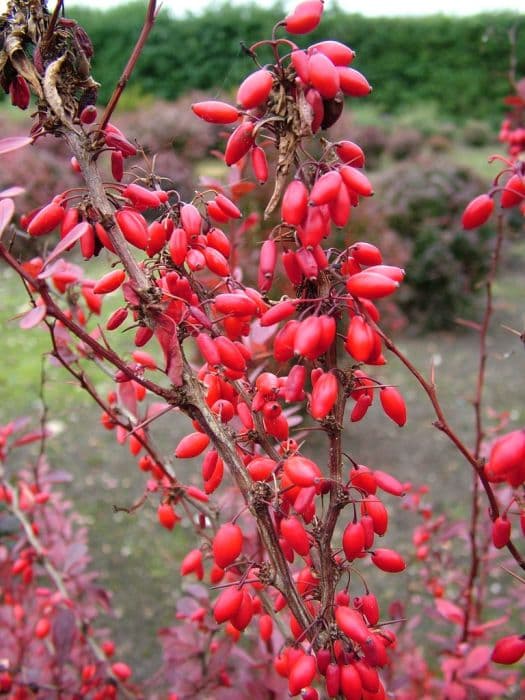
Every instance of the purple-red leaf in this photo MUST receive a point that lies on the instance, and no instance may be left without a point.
(7, 209)
(486, 687)
(166, 333)
(72, 237)
(127, 397)
(450, 611)
(33, 317)
(63, 633)
(12, 192)
(476, 659)
(13, 143)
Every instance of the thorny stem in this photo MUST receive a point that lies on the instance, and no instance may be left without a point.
(477, 403)
(197, 408)
(442, 424)
(80, 146)
(151, 15)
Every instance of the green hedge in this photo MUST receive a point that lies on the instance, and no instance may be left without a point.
(459, 63)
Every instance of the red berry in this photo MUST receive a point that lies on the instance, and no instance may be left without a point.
(255, 89)
(167, 516)
(192, 445)
(305, 17)
(388, 560)
(239, 143)
(111, 281)
(216, 112)
(477, 212)
(393, 404)
(501, 529)
(227, 544)
(121, 670)
(509, 650)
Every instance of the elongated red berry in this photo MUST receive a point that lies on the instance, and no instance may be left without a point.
(324, 395)
(507, 454)
(302, 673)
(216, 112)
(261, 468)
(513, 192)
(353, 540)
(192, 564)
(295, 203)
(349, 152)
(305, 17)
(351, 686)
(227, 544)
(295, 534)
(237, 304)
(353, 83)
(259, 164)
(121, 670)
(323, 75)
(356, 180)
(142, 197)
(301, 470)
(351, 622)
(227, 604)
(167, 516)
(111, 281)
(192, 445)
(388, 560)
(42, 628)
(393, 404)
(48, 218)
(325, 188)
(191, 220)
(338, 53)
(239, 143)
(282, 310)
(133, 226)
(267, 262)
(509, 650)
(501, 529)
(366, 253)
(255, 89)
(371, 285)
(477, 212)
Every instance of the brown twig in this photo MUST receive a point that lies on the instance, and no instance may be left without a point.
(151, 15)
(479, 431)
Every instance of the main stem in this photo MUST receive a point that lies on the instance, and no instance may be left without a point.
(478, 417)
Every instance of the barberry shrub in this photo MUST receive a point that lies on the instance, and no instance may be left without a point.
(289, 544)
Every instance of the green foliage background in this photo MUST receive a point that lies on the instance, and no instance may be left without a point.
(461, 64)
